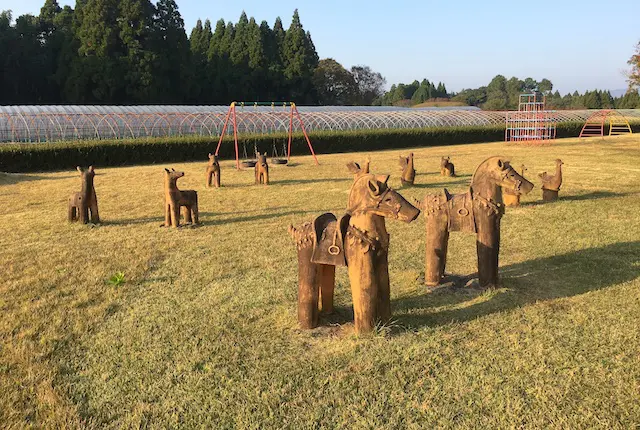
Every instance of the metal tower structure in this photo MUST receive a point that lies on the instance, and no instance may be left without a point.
(531, 122)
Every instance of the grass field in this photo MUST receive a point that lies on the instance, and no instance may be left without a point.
(202, 332)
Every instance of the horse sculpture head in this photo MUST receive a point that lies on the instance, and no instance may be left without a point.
(262, 159)
(371, 194)
(87, 176)
(172, 175)
(498, 172)
(213, 160)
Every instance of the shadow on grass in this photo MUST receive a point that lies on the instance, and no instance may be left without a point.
(14, 178)
(309, 181)
(524, 283)
(580, 197)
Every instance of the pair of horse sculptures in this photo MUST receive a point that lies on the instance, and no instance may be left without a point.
(359, 239)
(408, 174)
(213, 170)
(550, 186)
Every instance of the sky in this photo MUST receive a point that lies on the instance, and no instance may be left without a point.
(578, 45)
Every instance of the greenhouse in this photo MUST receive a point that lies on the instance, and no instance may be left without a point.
(56, 123)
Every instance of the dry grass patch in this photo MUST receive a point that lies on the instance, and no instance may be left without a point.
(201, 330)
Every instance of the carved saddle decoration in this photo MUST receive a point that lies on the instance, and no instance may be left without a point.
(328, 239)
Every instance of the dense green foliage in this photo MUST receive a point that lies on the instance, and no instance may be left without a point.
(67, 155)
(412, 94)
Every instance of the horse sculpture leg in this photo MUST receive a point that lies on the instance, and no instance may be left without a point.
(216, 177)
(384, 289)
(95, 217)
(308, 282)
(436, 248)
(327, 286)
(364, 289)
(488, 247)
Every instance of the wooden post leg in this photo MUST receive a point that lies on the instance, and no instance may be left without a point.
(364, 290)
(327, 285)
(308, 284)
(384, 288)
(436, 249)
(488, 248)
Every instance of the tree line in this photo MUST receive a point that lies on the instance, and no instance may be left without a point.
(138, 52)
(503, 94)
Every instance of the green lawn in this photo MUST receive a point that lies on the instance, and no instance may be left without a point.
(203, 332)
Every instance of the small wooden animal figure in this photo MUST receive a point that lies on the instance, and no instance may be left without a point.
(408, 172)
(262, 169)
(355, 168)
(174, 199)
(512, 198)
(80, 204)
(213, 171)
(446, 167)
(551, 184)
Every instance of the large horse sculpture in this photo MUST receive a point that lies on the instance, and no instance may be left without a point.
(84, 203)
(477, 211)
(359, 240)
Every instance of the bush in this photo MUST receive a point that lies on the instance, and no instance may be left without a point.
(103, 153)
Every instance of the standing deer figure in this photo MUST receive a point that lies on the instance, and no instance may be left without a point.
(174, 199)
(510, 197)
(80, 204)
(213, 171)
(478, 211)
(359, 240)
(262, 169)
(408, 172)
(446, 167)
(551, 184)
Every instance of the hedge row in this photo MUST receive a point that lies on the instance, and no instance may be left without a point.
(103, 153)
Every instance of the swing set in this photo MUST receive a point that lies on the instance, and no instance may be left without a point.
(276, 157)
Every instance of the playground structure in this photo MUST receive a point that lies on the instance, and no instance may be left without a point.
(293, 111)
(594, 126)
(34, 124)
(531, 122)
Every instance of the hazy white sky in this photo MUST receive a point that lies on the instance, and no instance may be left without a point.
(578, 45)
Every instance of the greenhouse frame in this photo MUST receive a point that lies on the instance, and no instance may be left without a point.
(57, 123)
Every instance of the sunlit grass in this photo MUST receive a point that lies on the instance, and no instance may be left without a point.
(201, 329)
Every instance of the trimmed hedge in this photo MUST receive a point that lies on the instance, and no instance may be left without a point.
(30, 157)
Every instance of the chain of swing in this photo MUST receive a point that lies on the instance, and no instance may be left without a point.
(276, 157)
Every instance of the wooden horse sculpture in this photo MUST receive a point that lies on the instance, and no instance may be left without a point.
(359, 240)
(174, 199)
(408, 172)
(213, 171)
(551, 184)
(262, 169)
(355, 168)
(446, 167)
(80, 204)
(477, 211)
(512, 198)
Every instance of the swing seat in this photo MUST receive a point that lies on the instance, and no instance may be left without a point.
(249, 163)
(279, 161)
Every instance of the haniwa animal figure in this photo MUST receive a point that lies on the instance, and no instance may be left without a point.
(359, 240)
(213, 171)
(174, 199)
(551, 184)
(84, 202)
(408, 172)
(512, 198)
(478, 211)
(262, 169)
(355, 168)
(446, 167)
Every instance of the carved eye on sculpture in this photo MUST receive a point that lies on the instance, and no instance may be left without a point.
(502, 165)
(374, 187)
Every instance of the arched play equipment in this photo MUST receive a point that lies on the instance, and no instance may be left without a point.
(594, 126)
(531, 122)
(268, 123)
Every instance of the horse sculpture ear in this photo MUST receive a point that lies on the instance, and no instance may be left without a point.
(167, 170)
(374, 187)
(91, 169)
(353, 167)
(79, 169)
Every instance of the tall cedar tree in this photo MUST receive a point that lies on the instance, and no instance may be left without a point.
(300, 60)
